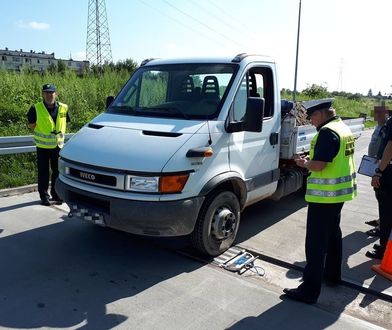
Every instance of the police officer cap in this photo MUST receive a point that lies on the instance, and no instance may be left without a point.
(314, 105)
(48, 88)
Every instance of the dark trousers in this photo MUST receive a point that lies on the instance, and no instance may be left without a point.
(46, 157)
(323, 246)
(384, 198)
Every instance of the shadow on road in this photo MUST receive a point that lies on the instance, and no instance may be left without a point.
(65, 274)
(266, 213)
(18, 206)
(289, 314)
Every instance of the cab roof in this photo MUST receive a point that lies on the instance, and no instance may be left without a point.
(240, 58)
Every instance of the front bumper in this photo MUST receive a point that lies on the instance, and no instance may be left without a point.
(151, 218)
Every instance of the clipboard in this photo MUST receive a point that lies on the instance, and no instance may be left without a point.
(368, 165)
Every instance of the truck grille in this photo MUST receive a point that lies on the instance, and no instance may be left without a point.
(103, 179)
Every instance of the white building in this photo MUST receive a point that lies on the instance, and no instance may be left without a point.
(16, 59)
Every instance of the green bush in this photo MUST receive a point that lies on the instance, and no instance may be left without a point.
(86, 94)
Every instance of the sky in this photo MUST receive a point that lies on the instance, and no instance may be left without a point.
(344, 45)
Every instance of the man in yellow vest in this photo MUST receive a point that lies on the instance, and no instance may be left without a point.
(331, 182)
(48, 120)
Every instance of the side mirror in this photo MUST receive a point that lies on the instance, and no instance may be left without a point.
(109, 101)
(286, 106)
(254, 114)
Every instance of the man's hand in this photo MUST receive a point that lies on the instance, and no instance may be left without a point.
(376, 181)
(311, 165)
(301, 161)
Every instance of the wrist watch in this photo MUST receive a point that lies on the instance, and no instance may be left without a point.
(377, 170)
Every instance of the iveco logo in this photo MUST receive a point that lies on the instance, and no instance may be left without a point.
(87, 176)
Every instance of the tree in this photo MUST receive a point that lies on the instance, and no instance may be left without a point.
(61, 67)
(128, 64)
(52, 68)
(316, 91)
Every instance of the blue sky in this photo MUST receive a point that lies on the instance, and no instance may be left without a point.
(344, 44)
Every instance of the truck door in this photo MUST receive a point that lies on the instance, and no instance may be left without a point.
(255, 155)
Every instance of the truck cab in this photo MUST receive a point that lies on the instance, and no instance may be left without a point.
(182, 149)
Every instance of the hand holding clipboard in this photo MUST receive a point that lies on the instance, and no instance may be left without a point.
(368, 165)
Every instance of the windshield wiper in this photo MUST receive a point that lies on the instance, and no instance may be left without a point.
(163, 111)
(120, 108)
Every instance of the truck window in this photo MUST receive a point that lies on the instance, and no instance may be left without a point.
(186, 91)
(257, 82)
(153, 88)
(240, 101)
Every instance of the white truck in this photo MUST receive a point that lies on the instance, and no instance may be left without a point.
(184, 147)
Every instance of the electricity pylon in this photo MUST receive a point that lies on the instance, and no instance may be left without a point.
(98, 50)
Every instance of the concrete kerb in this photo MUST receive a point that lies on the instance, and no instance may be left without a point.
(18, 190)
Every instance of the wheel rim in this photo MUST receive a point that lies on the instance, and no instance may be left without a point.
(223, 223)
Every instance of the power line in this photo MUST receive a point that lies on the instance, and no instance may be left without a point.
(212, 15)
(180, 23)
(201, 23)
(340, 75)
(243, 26)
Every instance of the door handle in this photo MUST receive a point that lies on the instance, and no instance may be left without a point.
(274, 138)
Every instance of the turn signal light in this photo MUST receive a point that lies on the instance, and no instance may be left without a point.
(200, 152)
(172, 184)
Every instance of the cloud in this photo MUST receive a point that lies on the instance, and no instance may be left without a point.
(32, 25)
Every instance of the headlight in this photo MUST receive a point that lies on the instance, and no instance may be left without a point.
(167, 184)
(142, 183)
(62, 168)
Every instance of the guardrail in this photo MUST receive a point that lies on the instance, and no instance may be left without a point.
(19, 144)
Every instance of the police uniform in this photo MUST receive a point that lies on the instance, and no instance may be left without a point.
(49, 134)
(326, 192)
(384, 194)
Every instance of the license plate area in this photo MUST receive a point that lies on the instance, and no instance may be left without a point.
(84, 213)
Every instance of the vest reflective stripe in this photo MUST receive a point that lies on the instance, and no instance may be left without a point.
(45, 136)
(332, 193)
(347, 178)
(47, 133)
(47, 144)
(337, 181)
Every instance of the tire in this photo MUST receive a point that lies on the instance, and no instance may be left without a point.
(217, 224)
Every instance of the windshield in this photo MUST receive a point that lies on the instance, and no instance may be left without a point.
(187, 91)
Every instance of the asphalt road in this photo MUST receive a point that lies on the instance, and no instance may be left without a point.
(58, 272)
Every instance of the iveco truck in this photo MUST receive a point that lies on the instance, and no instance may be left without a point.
(184, 147)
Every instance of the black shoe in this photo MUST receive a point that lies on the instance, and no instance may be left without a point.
(57, 201)
(373, 223)
(297, 294)
(376, 246)
(45, 202)
(375, 232)
(375, 254)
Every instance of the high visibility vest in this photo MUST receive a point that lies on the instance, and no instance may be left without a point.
(336, 183)
(47, 133)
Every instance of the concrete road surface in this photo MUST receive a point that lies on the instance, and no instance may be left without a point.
(59, 272)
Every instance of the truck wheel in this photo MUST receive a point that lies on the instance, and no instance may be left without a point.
(217, 223)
